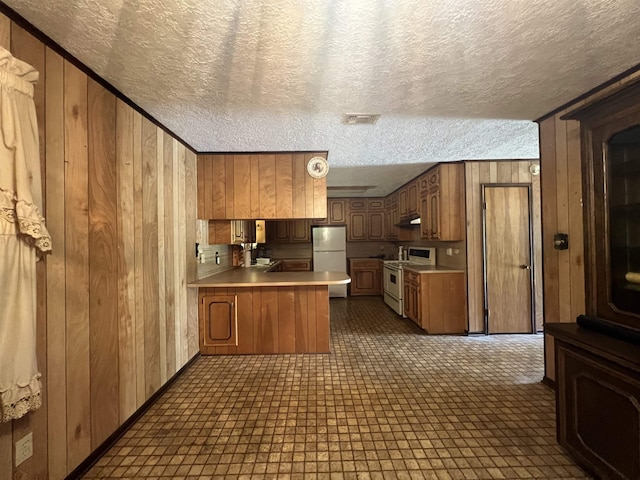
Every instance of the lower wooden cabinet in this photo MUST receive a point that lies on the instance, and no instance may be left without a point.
(264, 320)
(436, 302)
(598, 400)
(218, 322)
(366, 276)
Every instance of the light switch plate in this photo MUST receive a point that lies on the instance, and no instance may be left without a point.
(24, 448)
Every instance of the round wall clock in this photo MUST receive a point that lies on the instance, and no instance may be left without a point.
(317, 167)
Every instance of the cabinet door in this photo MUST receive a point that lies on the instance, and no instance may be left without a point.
(238, 231)
(423, 183)
(220, 232)
(364, 281)
(433, 178)
(416, 303)
(300, 231)
(412, 198)
(376, 226)
(406, 296)
(218, 322)
(366, 276)
(337, 210)
(424, 217)
(403, 205)
(278, 231)
(375, 204)
(359, 204)
(394, 222)
(387, 224)
(249, 231)
(357, 226)
(433, 205)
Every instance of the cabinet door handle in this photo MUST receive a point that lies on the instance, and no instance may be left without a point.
(525, 267)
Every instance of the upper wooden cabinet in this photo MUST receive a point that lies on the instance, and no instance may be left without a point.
(259, 186)
(441, 202)
(227, 232)
(337, 211)
(288, 231)
(357, 226)
(375, 225)
(408, 199)
(366, 219)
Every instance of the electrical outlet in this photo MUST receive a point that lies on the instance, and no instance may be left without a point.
(24, 448)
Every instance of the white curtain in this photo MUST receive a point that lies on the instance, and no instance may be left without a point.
(23, 238)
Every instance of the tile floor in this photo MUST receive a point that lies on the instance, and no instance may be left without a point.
(389, 403)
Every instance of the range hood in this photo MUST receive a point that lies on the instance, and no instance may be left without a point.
(409, 222)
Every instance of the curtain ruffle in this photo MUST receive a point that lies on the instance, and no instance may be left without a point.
(17, 400)
(27, 218)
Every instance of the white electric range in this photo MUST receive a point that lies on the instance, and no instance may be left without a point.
(392, 275)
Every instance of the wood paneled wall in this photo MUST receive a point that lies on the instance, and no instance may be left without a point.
(484, 172)
(260, 185)
(115, 318)
(561, 180)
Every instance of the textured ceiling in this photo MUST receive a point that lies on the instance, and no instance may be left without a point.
(453, 79)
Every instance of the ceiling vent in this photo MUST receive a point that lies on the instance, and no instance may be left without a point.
(360, 118)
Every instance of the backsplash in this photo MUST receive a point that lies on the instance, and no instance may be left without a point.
(209, 266)
(288, 250)
(371, 249)
(207, 253)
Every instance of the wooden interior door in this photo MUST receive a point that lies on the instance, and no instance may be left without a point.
(507, 259)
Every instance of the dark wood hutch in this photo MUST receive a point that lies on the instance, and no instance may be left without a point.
(598, 357)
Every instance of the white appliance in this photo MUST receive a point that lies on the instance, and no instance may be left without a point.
(392, 275)
(330, 254)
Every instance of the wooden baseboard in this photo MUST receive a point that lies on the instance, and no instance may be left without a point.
(94, 456)
(549, 383)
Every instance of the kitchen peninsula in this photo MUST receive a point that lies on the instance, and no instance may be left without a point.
(250, 310)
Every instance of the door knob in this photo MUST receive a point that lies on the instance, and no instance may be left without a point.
(525, 267)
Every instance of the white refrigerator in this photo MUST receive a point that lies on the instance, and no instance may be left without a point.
(330, 254)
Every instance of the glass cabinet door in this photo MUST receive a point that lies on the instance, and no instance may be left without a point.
(622, 171)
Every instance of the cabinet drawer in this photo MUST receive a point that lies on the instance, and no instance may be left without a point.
(375, 204)
(366, 263)
(411, 277)
(358, 205)
(433, 178)
(296, 265)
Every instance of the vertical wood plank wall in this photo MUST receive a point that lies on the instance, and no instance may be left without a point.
(561, 180)
(115, 318)
(476, 174)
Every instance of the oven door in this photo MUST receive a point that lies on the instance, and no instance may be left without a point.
(393, 289)
(393, 282)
